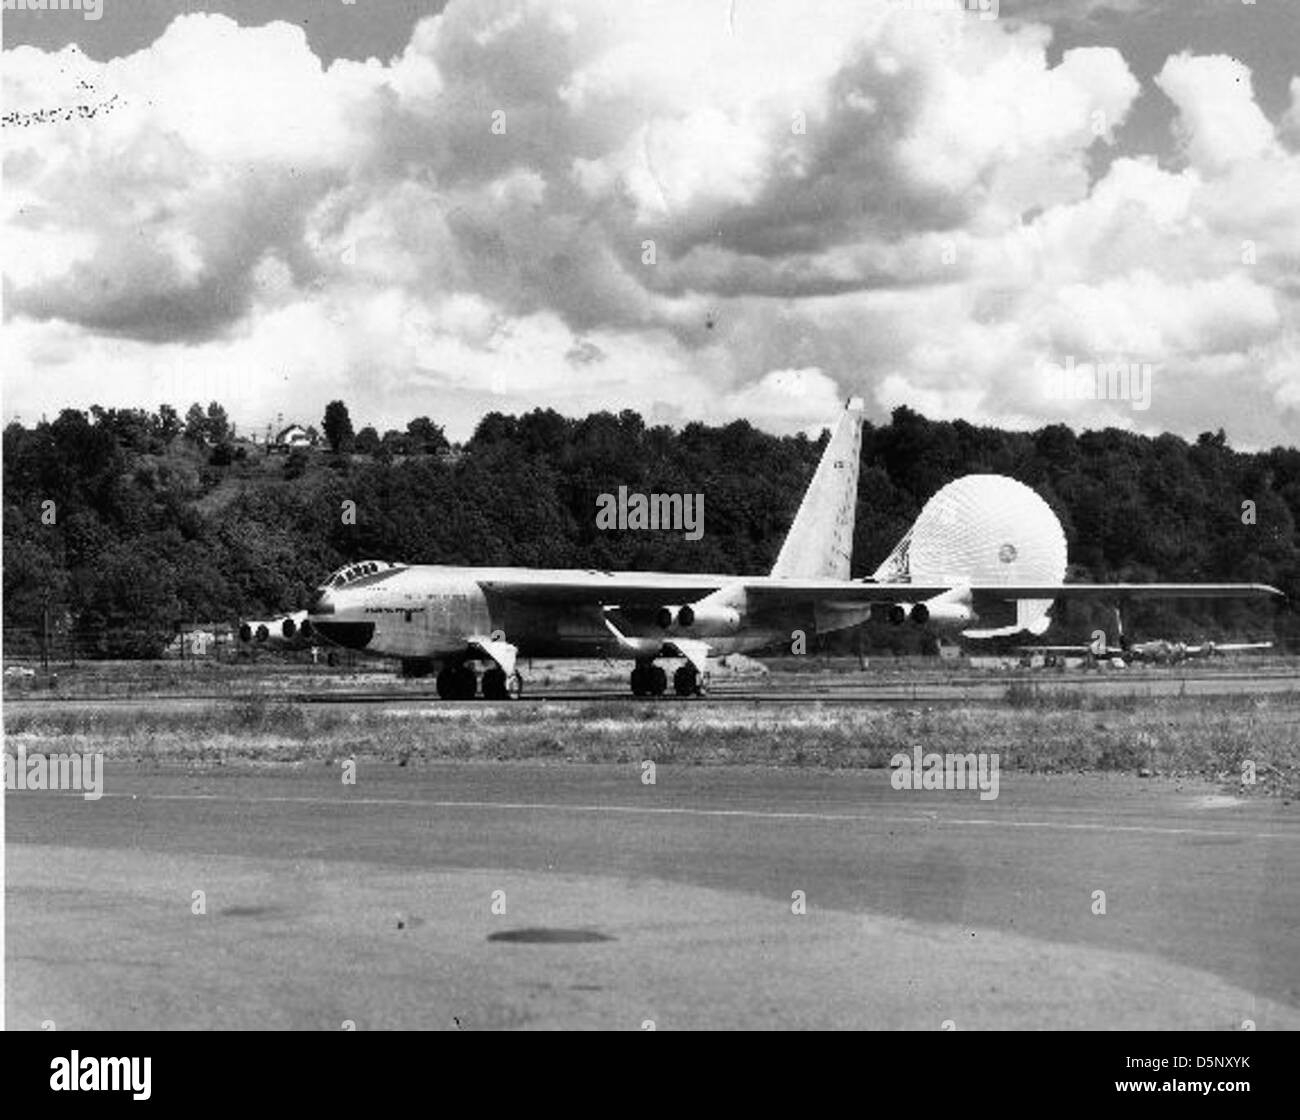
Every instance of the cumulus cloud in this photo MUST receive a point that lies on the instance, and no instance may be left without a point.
(786, 400)
(696, 213)
(1218, 120)
(161, 212)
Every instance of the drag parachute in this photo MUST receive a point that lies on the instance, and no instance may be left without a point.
(985, 529)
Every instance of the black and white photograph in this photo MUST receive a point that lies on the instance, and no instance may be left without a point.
(635, 515)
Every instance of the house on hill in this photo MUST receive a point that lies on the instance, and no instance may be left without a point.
(290, 438)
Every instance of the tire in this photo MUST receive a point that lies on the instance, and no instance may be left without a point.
(447, 684)
(466, 683)
(494, 685)
(658, 681)
(686, 681)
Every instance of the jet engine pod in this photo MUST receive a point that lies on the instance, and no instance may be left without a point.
(288, 628)
(944, 613)
(245, 632)
(709, 620)
(953, 615)
(704, 619)
(262, 632)
(897, 614)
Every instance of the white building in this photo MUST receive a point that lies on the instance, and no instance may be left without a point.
(292, 437)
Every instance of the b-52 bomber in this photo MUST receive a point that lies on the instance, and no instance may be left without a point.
(972, 563)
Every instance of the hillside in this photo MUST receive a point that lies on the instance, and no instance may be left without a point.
(151, 526)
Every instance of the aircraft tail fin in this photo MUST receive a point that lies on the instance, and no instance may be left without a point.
(820, 542)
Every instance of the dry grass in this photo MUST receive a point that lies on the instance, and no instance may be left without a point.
(1209, 738)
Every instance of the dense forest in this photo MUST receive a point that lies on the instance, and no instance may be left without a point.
(125, 524)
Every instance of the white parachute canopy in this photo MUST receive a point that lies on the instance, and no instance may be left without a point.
(986, 529)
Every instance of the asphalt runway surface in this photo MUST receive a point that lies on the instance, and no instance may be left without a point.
(625, 904)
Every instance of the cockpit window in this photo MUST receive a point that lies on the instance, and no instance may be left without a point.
(354, 572)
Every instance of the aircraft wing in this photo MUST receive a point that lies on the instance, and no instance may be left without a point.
(607, 588)
(1127, 591)
(660, 588)
(852, 592)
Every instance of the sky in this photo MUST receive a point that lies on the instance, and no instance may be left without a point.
(699, 210)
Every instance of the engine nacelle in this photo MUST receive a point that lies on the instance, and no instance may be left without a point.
(945, 614)
(667, 616)
(897, 613)
(701, 620)
(710, 620)
(276, 630)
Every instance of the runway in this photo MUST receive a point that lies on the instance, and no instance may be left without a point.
(628, 904)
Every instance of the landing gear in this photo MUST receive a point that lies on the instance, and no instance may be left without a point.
(648, 680)
(689, 681)
(498, 686)
(457, 682)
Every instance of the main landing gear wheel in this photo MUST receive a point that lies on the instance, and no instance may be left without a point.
(649, 680)
(457, 682)
(498, 686)
(688, 681)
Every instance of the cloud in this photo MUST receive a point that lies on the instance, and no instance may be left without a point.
(161, 212)
(787, 400)
(699, 213)
(1218, 120)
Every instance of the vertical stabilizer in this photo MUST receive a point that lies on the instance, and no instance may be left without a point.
(820, 542)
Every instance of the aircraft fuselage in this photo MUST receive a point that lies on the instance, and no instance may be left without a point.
(426, 611)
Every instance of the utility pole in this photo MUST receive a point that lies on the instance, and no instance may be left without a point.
(45, 630)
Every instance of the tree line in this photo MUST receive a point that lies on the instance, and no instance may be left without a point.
(123, 524)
